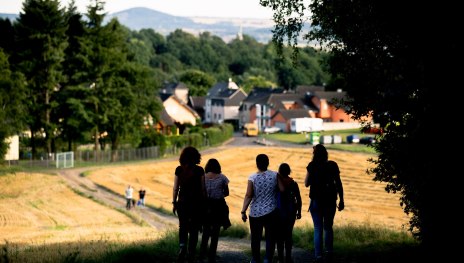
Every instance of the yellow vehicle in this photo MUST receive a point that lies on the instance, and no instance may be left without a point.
(250, 129)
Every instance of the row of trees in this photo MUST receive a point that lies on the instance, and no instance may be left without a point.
(77, 79)
(71, 78)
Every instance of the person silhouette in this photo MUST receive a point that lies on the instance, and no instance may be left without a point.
(261, 197)
(129, 196)
(217, 212)
(142, 193)
(289, 206)
(188, 199)
(323, 178)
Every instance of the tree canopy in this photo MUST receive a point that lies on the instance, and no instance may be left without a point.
(12, 103)
(380, 54)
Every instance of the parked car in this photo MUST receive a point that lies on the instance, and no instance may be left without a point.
(353, 138)
(250, 130)
(367, 140)
(273, 129)
(372, 130)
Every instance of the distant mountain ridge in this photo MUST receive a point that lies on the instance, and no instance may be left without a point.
(9, 16)
(227, 28)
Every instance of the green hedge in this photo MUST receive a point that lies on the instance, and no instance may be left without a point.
(199, 137)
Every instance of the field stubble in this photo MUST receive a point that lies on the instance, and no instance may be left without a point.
(41, 208)
(366, 201)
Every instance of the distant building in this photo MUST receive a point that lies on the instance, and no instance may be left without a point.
(12, 153)
(267, 107)
(176, 102)
(222, 103)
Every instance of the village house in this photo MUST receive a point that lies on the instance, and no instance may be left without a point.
(222, 103)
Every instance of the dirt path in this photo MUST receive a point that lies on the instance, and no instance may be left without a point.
(80, 183)
(229, 249)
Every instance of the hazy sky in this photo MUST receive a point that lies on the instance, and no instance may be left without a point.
(210, 8)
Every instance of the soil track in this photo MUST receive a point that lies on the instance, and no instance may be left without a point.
(229, 249)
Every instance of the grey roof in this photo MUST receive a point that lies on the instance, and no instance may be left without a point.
(330, 96)
(198, 104)
(230, 96)
(289, 114)
(261, 95)
(226, 93)
(197, 101)
(302, 101)
(217, 88)
(277, 100)
(236, 98)
(165, 96)
(301, 89)
(170, 88)
(165, 118)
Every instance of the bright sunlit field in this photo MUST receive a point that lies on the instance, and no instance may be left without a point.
(41, 208)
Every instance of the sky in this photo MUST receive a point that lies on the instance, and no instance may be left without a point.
(188, 8)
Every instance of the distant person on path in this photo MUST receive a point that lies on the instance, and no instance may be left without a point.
(289, 206)
(323, 178)
(188, 201)
(217, 211)
(261, 197)
(129, 195)
(142, 196)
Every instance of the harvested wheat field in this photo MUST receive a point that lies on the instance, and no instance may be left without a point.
(43, 208)
(366, 201)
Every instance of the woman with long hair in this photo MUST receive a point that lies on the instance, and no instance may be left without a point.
(323, 178)
(188, 201)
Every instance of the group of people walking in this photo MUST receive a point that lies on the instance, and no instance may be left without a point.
(272, 199)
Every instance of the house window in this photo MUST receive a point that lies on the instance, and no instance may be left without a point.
(219, 116)
(214, 116)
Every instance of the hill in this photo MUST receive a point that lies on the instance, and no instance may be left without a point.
(226, 28)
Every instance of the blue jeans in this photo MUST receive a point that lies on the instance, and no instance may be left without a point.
(323, 216)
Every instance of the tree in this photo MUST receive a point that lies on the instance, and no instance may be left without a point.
(40, 40)
(247, 54)
(184, 46)
(256, 81)
(7, 31)
(12, 101)
(141, 47)
(124, 92)
(104, 54)
(214, 55)
(380, 53)
(197, 81)
(71, 115)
